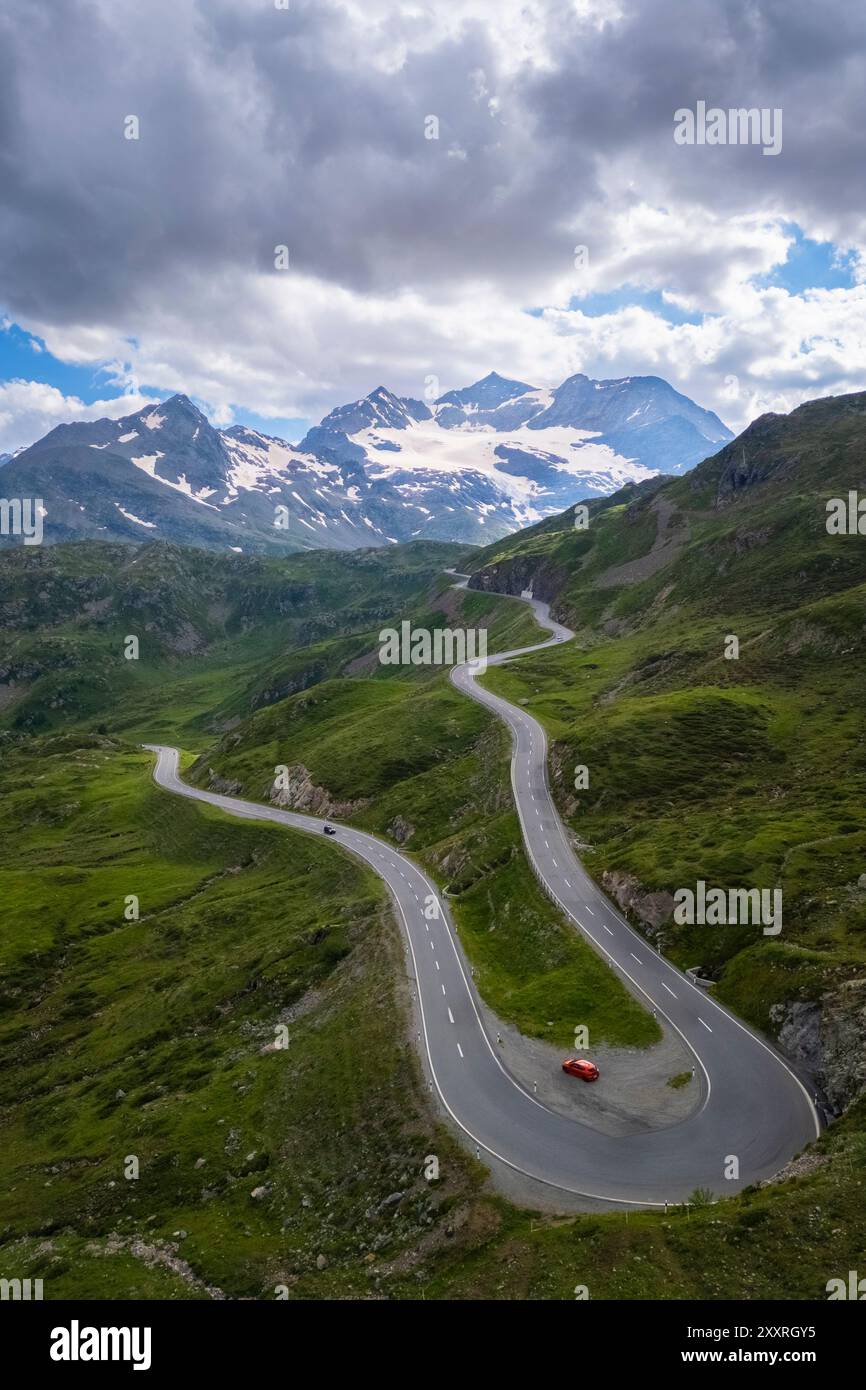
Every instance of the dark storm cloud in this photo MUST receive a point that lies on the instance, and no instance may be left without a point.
(620, 90)
(252, 135)
(305, 126)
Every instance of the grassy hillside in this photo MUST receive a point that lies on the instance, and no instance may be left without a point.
(148, 1039)
(741, 772)
(283, 653)
(400, 752)
(67, 610)
(154, 1039)
(744, 532)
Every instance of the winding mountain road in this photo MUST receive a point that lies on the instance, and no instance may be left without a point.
(752, 1106)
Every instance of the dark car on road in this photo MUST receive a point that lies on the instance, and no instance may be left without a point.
(329, 830)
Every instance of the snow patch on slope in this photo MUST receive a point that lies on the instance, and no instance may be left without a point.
(147, 463)
(130, 516)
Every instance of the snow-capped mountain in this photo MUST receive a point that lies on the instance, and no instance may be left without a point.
(471, 466)
(541, 449)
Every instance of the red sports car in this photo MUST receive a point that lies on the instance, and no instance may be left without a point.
(587, 1071)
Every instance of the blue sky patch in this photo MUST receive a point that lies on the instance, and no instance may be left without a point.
(810, 265)
(24, 357)
(628, 297)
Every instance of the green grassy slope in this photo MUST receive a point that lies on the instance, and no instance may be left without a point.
(401, 752)
(745, 532)
(66, 612)
(145, 1039)
(741, 772)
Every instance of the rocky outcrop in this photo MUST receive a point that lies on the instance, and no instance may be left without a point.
(756, 456)
(745, 541)
(803, 1166)
(296, 791)
(401, 830)
(827, 1037)
(281, 689)
(650, 910)
(224, 785)
(519, 573)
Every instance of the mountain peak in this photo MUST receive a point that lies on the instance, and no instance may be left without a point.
(490, 392)
(618, 407)
(180, 404)
(484, 461)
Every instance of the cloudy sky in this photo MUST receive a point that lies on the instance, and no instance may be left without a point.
(133, 268)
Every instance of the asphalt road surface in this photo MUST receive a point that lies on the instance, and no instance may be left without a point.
(752, 1108)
